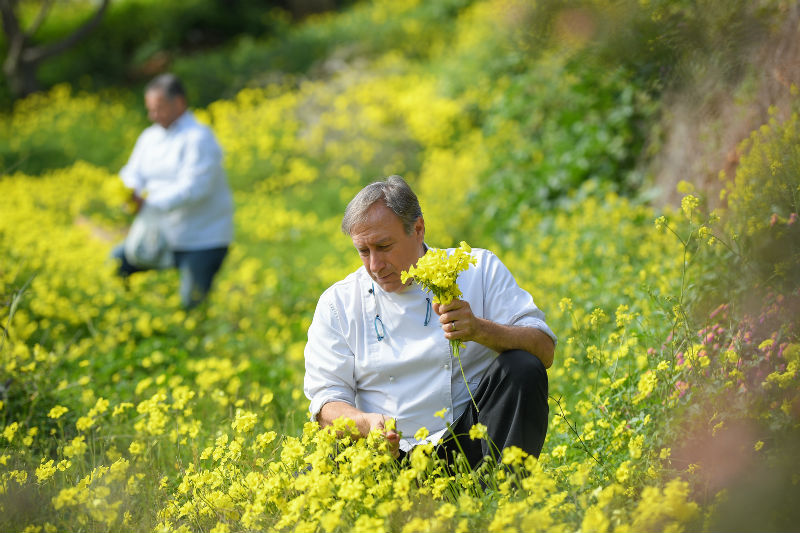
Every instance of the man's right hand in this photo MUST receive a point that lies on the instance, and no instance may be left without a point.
(378, 421)
(365, 422)
(136, 202)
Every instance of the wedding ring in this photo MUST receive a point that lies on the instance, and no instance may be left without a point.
(453, 325)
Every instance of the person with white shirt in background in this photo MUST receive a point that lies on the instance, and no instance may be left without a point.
(176, 172)
(373, 352)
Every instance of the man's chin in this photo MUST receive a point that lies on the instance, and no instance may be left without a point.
(389, 287)
(393, 286)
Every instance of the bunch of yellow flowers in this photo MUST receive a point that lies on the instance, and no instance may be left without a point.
(437, 272)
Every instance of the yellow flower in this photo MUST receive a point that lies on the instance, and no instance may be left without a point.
(446, 511)
(221, 527)
(595, 520)
(84, 423)
(421, 433)
(635, 446)
(76, 447)
(436, 272)
(137, 448)
(263, 439)
(45, 471)
(559, 451)
(119, 409)
(478, 431)
(688, 204)
(10, 430)
(245, 421)
(57, 411)
(440, 413)
(647, 383)
(623, 473)
(513, 455)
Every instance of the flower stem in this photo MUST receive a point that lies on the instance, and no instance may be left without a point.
(454, 346)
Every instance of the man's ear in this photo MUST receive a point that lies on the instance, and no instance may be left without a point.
(182, 102)
(419, 228)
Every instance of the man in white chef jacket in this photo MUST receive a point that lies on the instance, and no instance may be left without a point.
(376, 352)
(176, 172)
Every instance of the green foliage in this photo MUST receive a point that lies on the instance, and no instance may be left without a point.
(553, 128)
(669, 43)
(764, 203)
(137, 38)
(54, 129)
(319, 47)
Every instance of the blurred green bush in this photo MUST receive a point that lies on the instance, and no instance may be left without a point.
(54, 129)
(764, 204)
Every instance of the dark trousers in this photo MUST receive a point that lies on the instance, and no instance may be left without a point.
(197, 269)
(512, 400)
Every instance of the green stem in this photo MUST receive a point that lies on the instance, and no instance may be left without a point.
(454, 347)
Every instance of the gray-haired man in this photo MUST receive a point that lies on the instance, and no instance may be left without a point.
(375, 351)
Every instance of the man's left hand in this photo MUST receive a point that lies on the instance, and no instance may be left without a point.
(457, 320)
(459, 323)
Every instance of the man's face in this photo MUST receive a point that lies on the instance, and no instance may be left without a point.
(384, 246)
(162, 110)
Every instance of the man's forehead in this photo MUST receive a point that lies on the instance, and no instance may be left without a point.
(372, 234)
(155, 94)
(380, 224)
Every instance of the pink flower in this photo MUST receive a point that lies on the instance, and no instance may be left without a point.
(792, 219)
(718, 310)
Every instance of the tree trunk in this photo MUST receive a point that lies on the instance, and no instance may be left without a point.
(22, 78)
(23, 58)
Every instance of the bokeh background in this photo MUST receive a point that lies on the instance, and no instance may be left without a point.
(636, 164)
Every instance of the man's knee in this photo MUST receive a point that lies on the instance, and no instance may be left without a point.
(522, 367)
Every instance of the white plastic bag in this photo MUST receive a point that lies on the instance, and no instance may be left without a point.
(145, 245)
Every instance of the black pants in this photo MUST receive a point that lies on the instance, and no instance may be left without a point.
(512, 400)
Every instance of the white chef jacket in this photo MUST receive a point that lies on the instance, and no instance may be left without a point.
(179, 171)
(410, 374)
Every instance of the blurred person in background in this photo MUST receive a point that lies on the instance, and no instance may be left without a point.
(175, 173)
(376, 352)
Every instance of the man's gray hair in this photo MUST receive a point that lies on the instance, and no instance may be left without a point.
(169, 84)
(396, 194)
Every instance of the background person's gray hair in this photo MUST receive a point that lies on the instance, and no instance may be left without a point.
(169, 83)
(397, 195)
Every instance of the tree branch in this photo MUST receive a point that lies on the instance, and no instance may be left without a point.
(46, 5)
(36, 54)
(14, 35)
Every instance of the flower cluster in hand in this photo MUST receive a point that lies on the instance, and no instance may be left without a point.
(437, 272)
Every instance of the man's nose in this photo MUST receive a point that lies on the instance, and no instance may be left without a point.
(376, 262)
